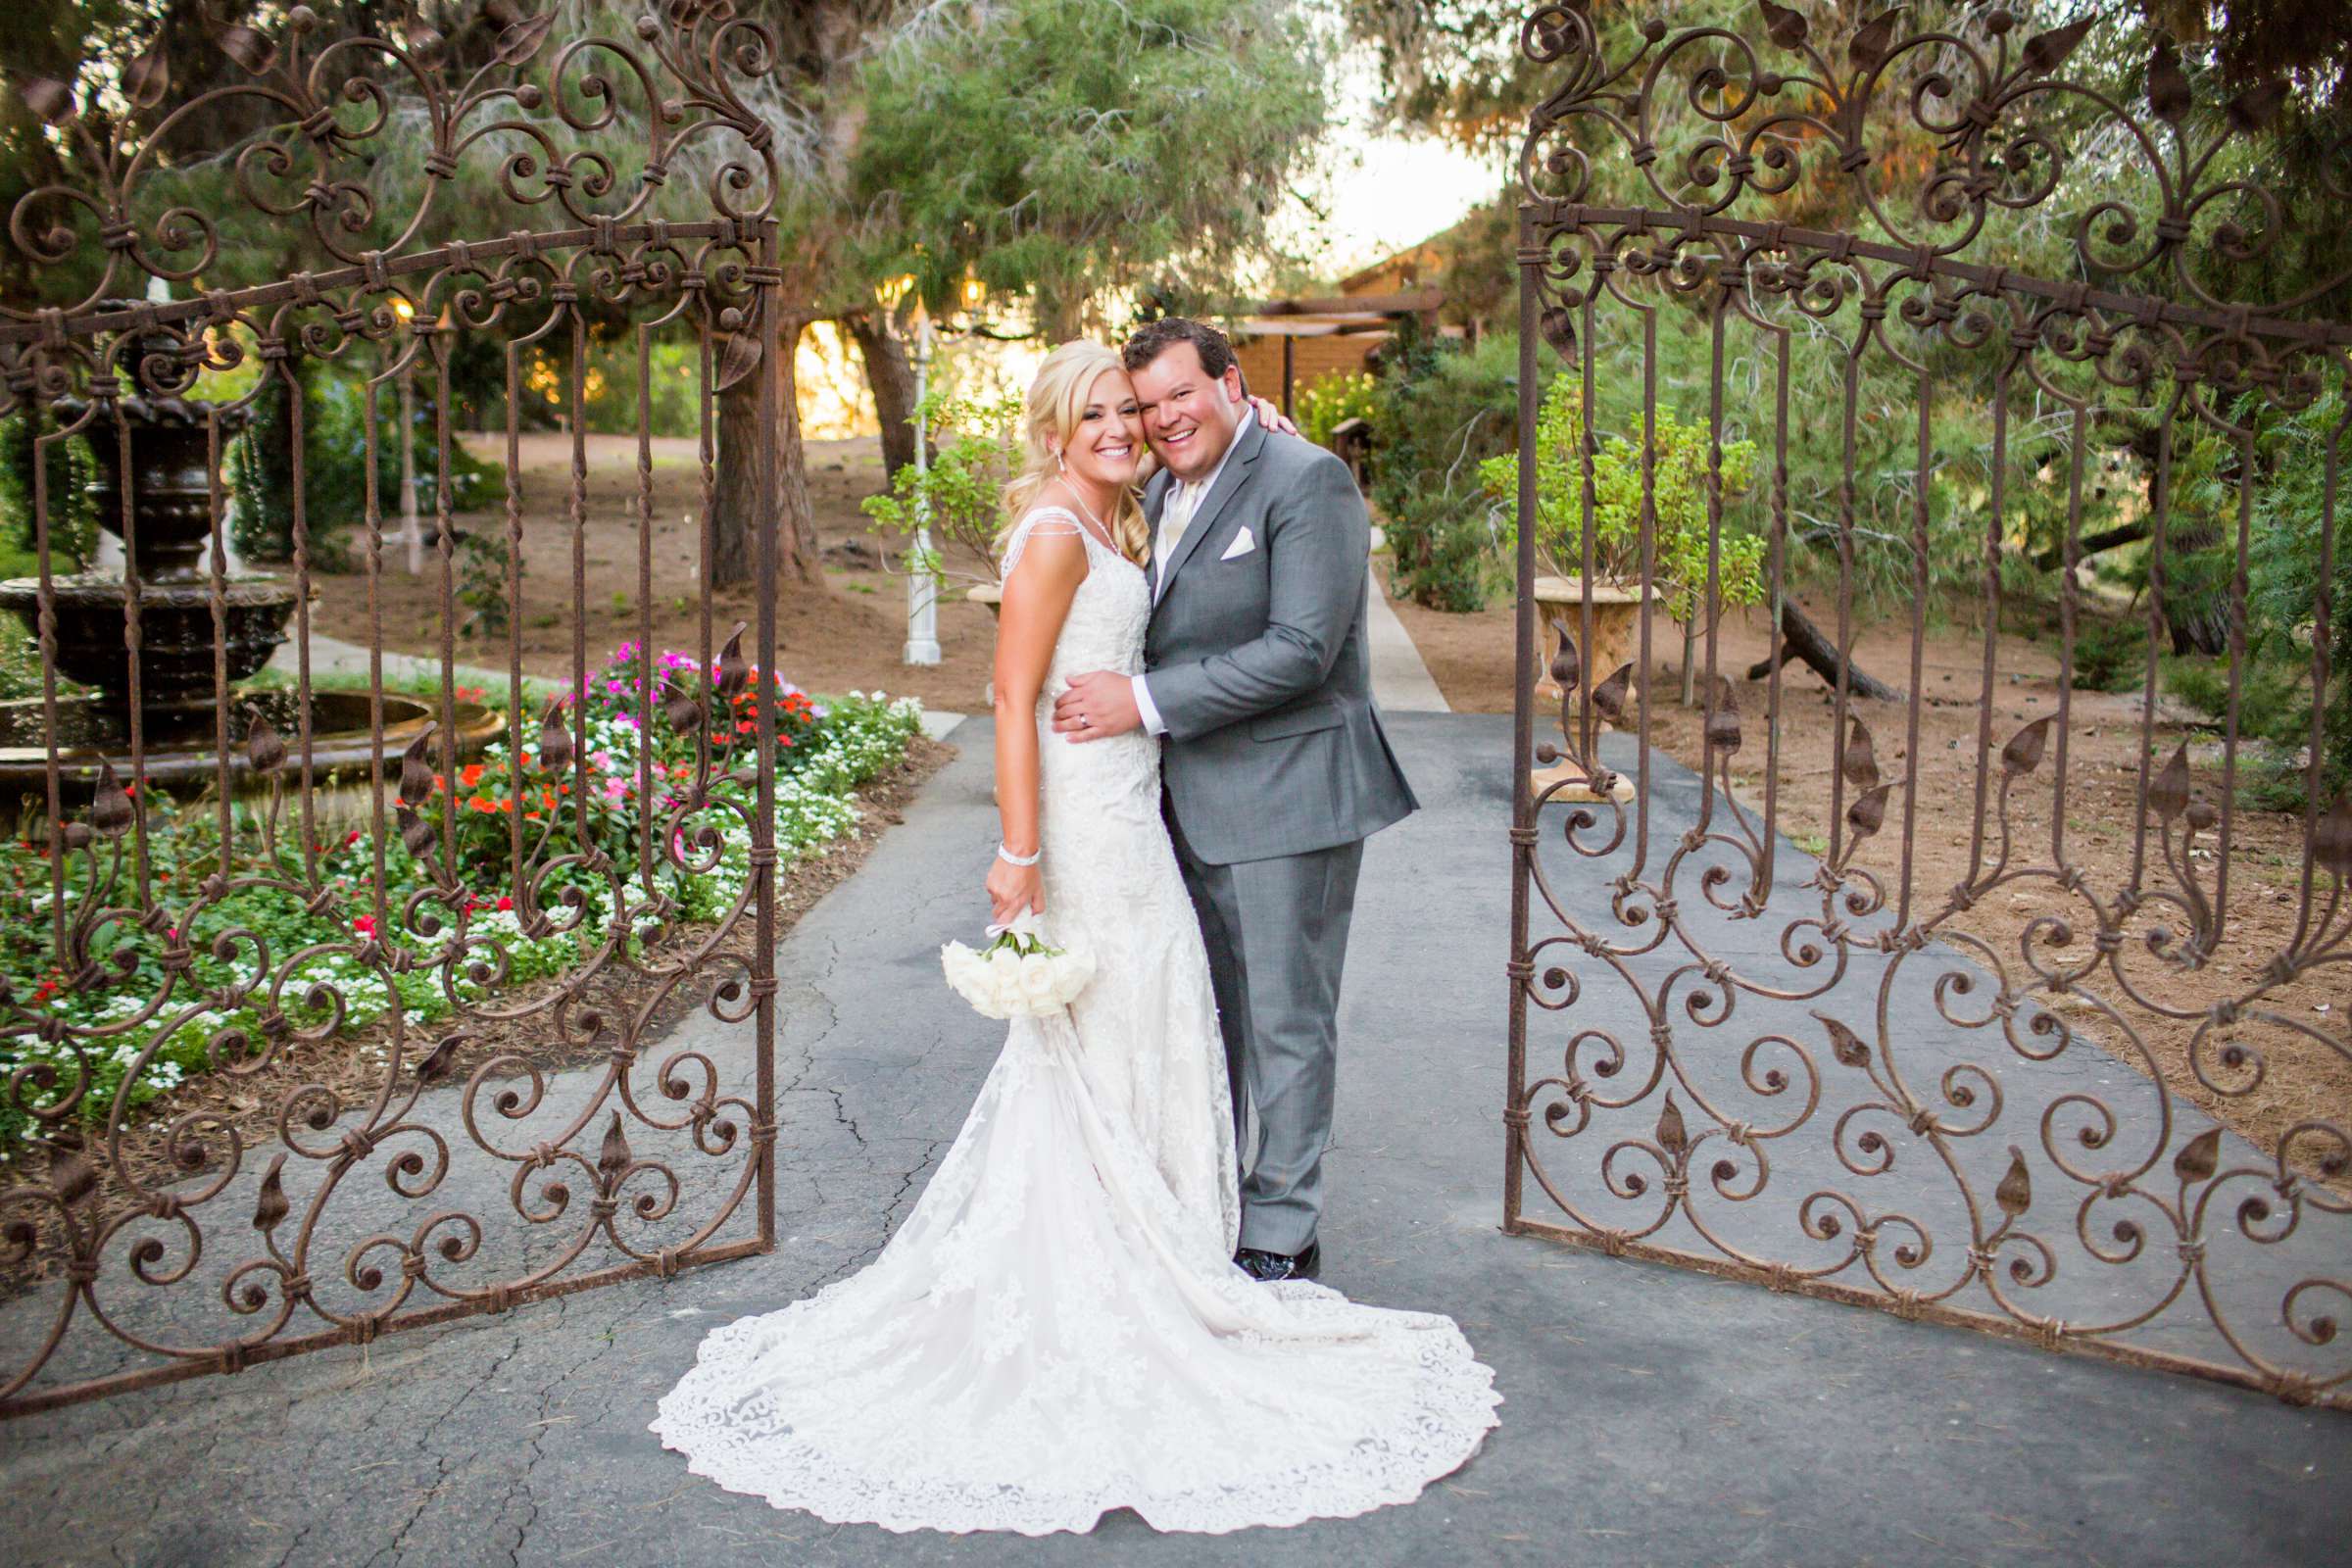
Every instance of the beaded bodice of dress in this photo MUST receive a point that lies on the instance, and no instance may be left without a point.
(1104, 629)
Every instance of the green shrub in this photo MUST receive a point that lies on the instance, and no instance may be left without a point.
(2110, 655)
(1679, 476)
(73, 511)
(607, 384)
(483, 560)
(335, 467)
(1328, 402)
(2284, 545)
(958, 496)
(1440, 411)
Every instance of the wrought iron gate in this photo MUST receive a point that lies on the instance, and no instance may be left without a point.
(2055, 1095)
(514, 193)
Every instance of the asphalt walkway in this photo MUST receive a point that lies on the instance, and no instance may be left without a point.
(1653, 1416)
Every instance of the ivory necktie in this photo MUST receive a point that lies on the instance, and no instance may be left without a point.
(1174, 518)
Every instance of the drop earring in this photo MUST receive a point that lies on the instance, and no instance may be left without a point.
(1061, 465)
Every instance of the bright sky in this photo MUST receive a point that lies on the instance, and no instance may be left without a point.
(1384, 192)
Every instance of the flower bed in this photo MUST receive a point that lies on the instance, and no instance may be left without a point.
(499, 879)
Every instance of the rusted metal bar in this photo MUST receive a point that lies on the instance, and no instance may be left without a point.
(1666, 1129)
(535, 259)
(1520, 968)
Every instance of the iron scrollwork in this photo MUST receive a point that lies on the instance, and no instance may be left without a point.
(561, 176)
(1904, 1051)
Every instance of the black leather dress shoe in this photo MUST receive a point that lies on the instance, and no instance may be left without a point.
(1269, 1268)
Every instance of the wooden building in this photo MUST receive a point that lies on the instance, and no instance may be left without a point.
(1287, 344)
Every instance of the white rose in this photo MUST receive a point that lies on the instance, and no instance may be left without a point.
(1005, 972)
(1037, 978)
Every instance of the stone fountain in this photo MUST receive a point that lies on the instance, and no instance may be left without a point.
(186, 646)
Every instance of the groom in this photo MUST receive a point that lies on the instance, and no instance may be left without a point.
(1275, 768)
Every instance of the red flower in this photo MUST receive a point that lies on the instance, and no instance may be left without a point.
(505, 903)
(351, 838)
(363, 924)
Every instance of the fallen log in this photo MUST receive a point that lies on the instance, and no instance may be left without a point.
(1804, 643)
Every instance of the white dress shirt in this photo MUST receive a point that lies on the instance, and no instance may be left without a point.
(1176, 517)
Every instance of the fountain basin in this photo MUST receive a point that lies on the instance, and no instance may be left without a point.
(179, 742)
(175, 631)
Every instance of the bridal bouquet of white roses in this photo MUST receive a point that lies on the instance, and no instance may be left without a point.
(1016, 976)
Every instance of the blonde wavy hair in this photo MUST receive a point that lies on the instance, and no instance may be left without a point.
(1050, 415)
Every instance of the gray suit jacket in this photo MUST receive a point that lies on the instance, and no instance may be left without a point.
(1257, 661)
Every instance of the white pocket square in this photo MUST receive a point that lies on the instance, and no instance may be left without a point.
(1242, 545)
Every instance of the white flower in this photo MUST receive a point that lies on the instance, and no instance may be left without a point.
(1001, 983)
(1037, 978)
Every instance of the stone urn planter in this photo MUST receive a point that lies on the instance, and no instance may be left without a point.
(1616, 635)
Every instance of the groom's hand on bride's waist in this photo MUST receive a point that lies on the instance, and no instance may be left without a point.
(1098, 704)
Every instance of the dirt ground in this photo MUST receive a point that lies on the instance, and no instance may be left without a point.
(1470, 655)
(847, 638)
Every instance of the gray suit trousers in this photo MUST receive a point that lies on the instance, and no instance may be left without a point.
(1277, 936)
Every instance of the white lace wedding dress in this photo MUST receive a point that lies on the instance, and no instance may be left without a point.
(1058, 1329)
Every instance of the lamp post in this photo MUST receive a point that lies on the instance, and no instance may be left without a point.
(922, 583)
(411, 527)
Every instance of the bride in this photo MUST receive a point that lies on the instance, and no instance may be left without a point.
(1059, 1328)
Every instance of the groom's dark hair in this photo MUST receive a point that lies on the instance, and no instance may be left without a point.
(1152, 340)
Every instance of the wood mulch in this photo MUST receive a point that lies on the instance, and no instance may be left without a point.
(351, 1065)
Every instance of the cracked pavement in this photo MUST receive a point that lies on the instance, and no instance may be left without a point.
(1653, 1415)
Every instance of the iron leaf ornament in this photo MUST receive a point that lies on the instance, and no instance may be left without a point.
(1818, 187)
(562, 180)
